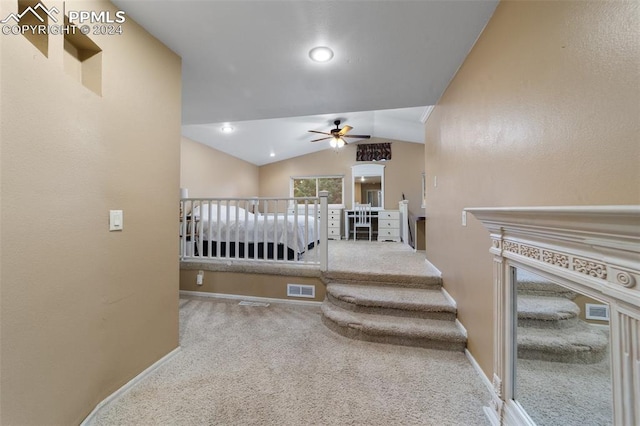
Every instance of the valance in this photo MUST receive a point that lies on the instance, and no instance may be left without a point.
(374, 152)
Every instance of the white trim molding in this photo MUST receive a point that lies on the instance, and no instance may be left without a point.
(593, 250)
(127, 386)
(248, 298)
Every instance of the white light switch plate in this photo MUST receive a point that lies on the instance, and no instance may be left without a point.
(115, 220)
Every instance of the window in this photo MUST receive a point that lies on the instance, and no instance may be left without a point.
(310, 186)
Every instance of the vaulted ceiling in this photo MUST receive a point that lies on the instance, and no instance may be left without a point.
(247, 63)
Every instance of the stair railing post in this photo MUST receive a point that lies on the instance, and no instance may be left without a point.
(324, 229)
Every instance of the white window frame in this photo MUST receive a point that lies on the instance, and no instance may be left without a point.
(316, 177)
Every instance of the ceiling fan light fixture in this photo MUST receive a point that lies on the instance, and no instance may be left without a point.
(340, 142)
(321, 54)
(333, 142)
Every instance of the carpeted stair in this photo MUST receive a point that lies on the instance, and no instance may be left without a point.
(549, 328)
(409, 312)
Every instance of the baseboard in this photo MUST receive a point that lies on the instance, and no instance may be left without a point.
(449, 298)
(127, 386)
(434, 267)
(248, 298)
(488, 412)
(476, 366)
(491, 416)
(462, 328)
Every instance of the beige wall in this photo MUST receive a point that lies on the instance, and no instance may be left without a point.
(402, 172)
(207, 172)
(257, 285)
(84, 310)
(544, 111)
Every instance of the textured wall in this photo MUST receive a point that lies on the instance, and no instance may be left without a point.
(84, 310)
(544, 111)
(207, 172)
(402, 173)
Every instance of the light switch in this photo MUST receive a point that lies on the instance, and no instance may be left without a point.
(115, 220)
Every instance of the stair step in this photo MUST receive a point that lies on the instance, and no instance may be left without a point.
(391, 280)
(581, 344)
(536, 285)
(394, 301)
(546, 312)
(425, 333)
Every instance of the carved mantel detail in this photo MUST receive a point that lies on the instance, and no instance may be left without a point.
(557, 259)
(587, 267)
(625, 279)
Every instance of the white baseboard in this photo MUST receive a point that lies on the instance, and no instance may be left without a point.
(449, 298)
(476, 366)
(491, 416)
(433, 266)
(248, 298)
(127, 386)
(462, 328)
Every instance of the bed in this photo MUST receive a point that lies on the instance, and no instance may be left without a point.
(218, 230)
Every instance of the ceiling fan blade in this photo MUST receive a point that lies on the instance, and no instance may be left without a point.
(344, 130)
(357, 136)
(321, 139)
(322, 133)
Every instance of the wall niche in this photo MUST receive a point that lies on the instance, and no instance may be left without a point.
(83, 59)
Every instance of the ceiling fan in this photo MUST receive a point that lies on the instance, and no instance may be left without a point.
(337, 135)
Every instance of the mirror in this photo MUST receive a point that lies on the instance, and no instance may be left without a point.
(368, 185)
(562, 368)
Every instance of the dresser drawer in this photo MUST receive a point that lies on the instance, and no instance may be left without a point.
(333, 217)
(333, 232)
(334, 211)
(389, 214)
(388, 224)
(333, 223)
(388, 233)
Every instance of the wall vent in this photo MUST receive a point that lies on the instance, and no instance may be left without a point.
(299, 290)
(597, 312)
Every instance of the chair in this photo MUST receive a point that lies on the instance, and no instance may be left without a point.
(361, 219)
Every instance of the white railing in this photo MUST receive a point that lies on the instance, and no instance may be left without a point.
(259, 229)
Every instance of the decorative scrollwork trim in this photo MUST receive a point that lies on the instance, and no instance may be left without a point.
(557, 259)
(510, 246)
(588, 267)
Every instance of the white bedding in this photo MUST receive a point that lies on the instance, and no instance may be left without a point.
(281, 229)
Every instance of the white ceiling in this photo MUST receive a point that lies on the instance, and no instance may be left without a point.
(247, 61)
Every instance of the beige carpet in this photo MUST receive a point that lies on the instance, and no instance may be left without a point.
(555, 393)
(244, 365)
(380, 263)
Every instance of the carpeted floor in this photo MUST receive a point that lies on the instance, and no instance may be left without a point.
(378, 257)
(555, 393)
(246, 365)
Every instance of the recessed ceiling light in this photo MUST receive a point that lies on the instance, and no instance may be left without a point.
(273, 154)
(227, 129)
(321, 54)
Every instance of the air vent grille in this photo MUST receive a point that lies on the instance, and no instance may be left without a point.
(597, 312)
(300, 290)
